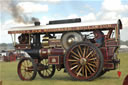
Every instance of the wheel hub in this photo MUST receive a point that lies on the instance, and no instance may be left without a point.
(71, 40)
(83, 61)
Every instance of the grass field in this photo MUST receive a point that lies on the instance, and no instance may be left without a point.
(8, 75)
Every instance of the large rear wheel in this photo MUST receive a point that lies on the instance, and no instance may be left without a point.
(102, 73)
(84, 61)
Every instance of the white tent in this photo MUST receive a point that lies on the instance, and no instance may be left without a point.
(123, 46)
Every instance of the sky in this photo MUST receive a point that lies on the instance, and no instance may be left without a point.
(21, 12)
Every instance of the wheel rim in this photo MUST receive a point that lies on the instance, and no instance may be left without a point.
(26, 69)
(82, 62)
(102, 73)
(47, 69)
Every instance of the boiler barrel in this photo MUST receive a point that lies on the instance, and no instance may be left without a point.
(44, 52)
(34, 53)
(55, 51)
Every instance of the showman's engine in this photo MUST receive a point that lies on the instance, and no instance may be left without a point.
(67, 44)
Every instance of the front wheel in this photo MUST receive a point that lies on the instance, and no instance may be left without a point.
(84, 61)
(27, 69)
(46, 70)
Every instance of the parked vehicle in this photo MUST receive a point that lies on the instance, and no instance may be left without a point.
(77, 50)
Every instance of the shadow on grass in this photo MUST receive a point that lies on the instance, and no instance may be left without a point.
(64, 78)
(107, 77)
(61, 78)
(68, 78)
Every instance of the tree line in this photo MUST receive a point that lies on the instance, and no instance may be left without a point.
(124, 42)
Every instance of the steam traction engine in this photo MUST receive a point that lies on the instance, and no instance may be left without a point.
(68, 44)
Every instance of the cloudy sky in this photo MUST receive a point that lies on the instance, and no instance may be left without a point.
(23, 12)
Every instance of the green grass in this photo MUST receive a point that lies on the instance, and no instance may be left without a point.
(8, 75)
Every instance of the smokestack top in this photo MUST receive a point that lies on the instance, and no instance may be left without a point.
(37, 23)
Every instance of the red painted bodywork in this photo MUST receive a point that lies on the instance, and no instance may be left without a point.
(111, 46)
(52, 51)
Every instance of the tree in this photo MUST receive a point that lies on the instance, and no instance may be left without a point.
(126, 42)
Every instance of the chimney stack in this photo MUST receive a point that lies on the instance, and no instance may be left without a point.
(37, 23)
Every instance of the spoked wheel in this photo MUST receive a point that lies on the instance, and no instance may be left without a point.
(84, 61)
(102, 73)
(46, 70)
(27, 69)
